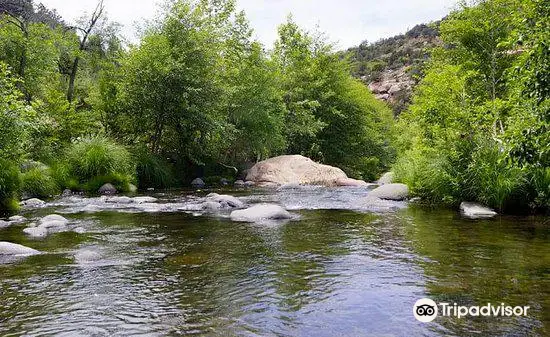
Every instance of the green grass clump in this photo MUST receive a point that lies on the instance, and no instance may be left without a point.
(94, 160)
(152, 171)
(38, 183)
(10, 181)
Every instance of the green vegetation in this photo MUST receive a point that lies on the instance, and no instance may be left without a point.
(478, 125)
(196, 96)
(95, 161)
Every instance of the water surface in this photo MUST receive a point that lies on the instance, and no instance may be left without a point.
(334, 272)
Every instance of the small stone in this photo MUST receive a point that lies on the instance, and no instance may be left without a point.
(107, 189)
(198, 183)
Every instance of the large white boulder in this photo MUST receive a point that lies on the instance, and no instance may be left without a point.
(8, 248)
(391, 192)
(294, 169)
(476, 211)
(53, 220)
(260, 212)
(225, 200)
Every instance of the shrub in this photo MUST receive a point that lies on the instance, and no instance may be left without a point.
(10, 181)
(39, 183)
(152, 171)
(97, 159)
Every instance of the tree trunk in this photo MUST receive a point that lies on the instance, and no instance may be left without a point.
(70, 91)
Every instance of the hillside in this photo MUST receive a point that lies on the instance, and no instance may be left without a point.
(391, 67)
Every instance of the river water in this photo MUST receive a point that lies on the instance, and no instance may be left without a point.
(343, 267)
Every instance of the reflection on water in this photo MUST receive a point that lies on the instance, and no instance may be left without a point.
(331, 273)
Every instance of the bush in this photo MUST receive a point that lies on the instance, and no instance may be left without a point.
(38, 183)
(10, 181)
(152, 171)
(97, 159)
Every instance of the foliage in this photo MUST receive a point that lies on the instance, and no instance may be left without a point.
(474, 128)
(38, 183)
(152, 171)
(99, 159)
(10, 181)
(331, 117)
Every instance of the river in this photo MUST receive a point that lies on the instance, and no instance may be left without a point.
(340, 268)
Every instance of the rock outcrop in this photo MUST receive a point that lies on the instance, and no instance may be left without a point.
(294, 169)
(391, 192)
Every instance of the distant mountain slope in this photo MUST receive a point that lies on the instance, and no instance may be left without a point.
(392, 67)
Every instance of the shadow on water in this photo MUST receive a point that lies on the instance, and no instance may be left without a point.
(332, 273)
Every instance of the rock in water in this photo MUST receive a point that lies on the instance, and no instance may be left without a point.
(17, 219)
(351, 183)
(239, 183)
(225, 200)
(386, 178)
(144, 200)
(198, 183)
(391, 192)
(8, 248)
(107, 189)
(53, 218)
(476, 211)
(4, 224)
(294, 169)
(34, 202)
(260, 212)
(36, 232)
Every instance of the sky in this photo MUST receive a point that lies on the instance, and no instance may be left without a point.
(346, 22)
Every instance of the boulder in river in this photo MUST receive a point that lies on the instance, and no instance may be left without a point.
(8, 248)
(4, 224)
(294, 169)
(34, 202)
(36, 232)
(476, 211)
(144, 200)
(391, 192)
(225, 201)
(351, 182)
(53, 218)
(239, 183)
(260, 212)
(17, 219)
(107, 189)
(198, 183)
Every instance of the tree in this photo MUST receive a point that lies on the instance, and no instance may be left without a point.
(86, 31)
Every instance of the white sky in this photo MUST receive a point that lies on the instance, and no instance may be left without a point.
(346, 22)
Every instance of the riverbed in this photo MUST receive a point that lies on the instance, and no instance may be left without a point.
(342, 266)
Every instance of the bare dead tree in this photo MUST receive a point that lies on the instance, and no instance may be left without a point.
(86, 32)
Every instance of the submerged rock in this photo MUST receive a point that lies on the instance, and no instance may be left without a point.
(294, 169)
(107, 189)
(198, 183)
(391, 192)
(476, 211)
(260, 212)
(34, 202)
(8, 248)
(144, 200)
(386, 178)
